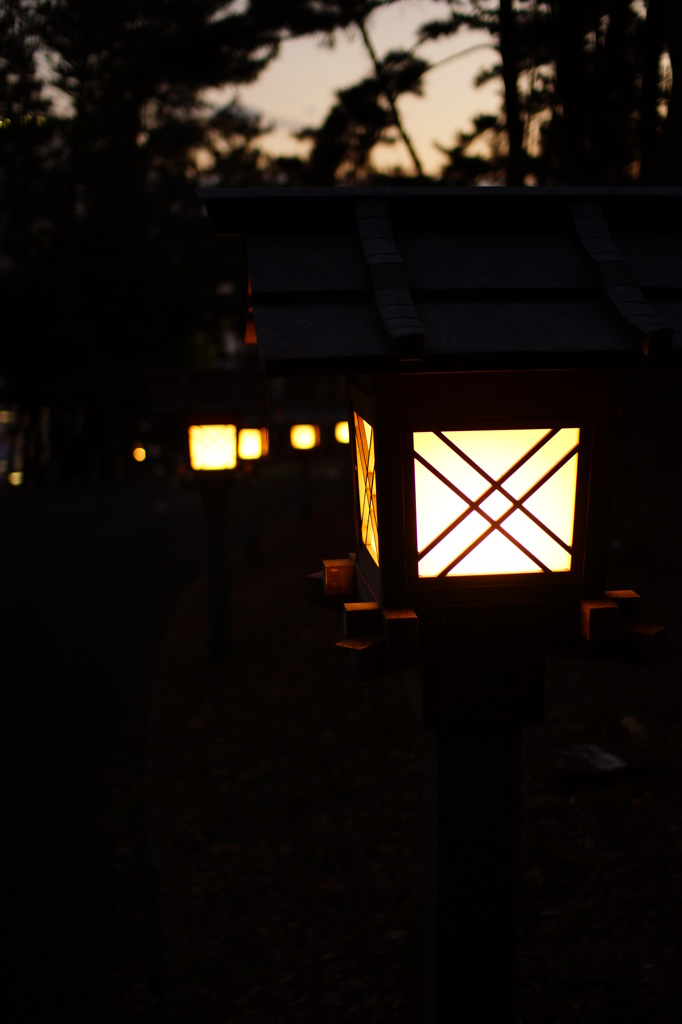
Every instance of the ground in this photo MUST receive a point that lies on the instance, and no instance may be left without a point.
(248, 843)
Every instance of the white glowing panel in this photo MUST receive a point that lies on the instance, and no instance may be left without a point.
(252, 443)
(367, 486)
(213, 446)
(492, 502)
(304, 436)
(341, 432)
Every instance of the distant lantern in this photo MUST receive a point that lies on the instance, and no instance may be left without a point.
(342, 432)
(213, 446)
(252, 443)
(304, 436)
(139, 454)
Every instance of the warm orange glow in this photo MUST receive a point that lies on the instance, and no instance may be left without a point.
(341, 432)
(252, 443)
(16, 478)
(304, 435)
(367, 486)
(213, 446)
(139, 454)
(533, 535)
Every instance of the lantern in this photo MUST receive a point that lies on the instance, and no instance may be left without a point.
(213, 446)
(342, 432)
(494, 474)
(304, 436)
(482, 332)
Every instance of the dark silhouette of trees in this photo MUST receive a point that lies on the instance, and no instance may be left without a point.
(587, 97)
(106, 265)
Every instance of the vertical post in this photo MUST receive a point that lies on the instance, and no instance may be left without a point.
(305, 495)
(472, 790)
(215, 487)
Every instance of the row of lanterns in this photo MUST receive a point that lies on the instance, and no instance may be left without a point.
(217, 446)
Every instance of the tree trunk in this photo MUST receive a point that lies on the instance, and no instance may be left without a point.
(511, 96)
(569, 31)
(649, 141)
(670, 152)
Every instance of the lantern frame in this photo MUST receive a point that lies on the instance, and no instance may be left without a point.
(396, 405)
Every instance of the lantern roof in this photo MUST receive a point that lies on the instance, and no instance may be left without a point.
(348, 280)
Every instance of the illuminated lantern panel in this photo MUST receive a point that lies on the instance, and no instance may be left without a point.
(213, 447)
(252, 443)
(341, 432)
(367, 485)
(139, 454)
(494, 502)
(304, 435)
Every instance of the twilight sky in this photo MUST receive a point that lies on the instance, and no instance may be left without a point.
(298, 88)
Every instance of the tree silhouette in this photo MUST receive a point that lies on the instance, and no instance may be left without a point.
(591, 92)
(106, 263)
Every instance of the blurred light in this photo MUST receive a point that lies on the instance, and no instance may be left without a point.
(304, 435)
(252, 443)
(341, 432)
(213, 446)
(16, 478)
(139, 454)
(6, 416)
(40, 120)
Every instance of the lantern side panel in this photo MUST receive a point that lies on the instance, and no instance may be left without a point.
(367, 487)
(495, 502)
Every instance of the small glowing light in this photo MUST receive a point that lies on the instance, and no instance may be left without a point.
(252, 443)
(341, 432)
(16, 478)
(304, 435)
(6, 416)
(213, 446)
(139, 454)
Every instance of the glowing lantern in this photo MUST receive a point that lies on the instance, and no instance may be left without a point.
(252, 443)
(482, 332)
(304, 436)
(139, 454)
(213, 446)
(342, 432)
(493, 505)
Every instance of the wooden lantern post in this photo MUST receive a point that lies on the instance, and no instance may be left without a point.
(482, 332)
(223, 415)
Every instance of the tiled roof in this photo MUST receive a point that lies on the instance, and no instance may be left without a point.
(379, 279)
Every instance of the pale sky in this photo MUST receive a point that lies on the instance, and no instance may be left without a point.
(297, 89)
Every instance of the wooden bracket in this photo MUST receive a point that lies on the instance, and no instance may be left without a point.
(599, 620)
(361, 618)
(613, 632)
(629, 604)
(363, 656)
(338, 575)
(401, 630)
